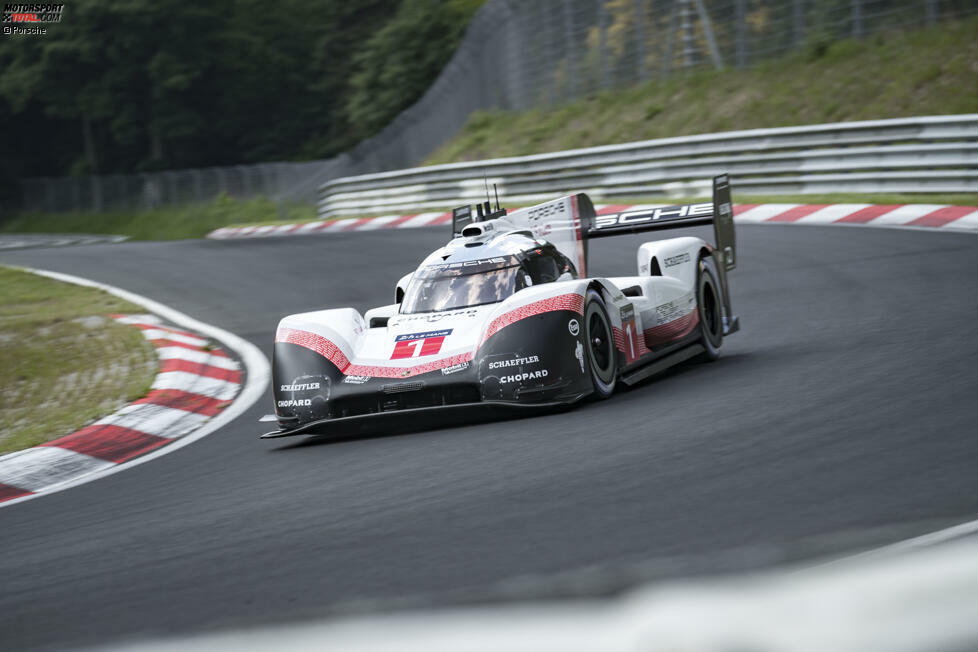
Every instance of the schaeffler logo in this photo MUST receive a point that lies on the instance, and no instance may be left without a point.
(24, 18)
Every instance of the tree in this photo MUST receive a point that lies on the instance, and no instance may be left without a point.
(122, 86)
(400, 61)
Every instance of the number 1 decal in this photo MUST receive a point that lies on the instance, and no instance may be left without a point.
(630, 332)
(416, 345)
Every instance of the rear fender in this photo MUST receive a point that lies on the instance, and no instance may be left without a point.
(675, 257)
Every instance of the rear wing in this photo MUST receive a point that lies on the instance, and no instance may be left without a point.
(719, 213)
(569, 222)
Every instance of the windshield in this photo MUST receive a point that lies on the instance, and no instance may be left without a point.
(442, 287)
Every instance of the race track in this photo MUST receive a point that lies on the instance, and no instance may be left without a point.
(842, 416)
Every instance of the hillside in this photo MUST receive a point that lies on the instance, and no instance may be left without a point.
(898, 74)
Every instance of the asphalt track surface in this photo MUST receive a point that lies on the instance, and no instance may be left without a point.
(842, 416)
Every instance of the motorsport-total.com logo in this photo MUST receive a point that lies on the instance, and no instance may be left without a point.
(26, 19)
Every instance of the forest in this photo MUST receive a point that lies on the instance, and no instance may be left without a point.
(143, 85)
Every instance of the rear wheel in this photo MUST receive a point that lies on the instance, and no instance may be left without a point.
(710, 309)
(600, 345)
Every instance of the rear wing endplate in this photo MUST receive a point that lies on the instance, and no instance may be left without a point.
(719, 213)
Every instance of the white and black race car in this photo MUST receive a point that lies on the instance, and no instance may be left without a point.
(505, 317)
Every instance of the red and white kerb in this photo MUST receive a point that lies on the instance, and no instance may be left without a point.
(196, 380)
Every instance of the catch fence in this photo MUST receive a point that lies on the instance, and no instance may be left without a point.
(515, 55)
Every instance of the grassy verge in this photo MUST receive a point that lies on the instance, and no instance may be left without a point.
(63, 361)
(892, 75)
(191, 221)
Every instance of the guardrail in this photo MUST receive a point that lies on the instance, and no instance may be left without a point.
(923, 154)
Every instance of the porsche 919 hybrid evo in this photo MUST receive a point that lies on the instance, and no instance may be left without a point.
(505, 317)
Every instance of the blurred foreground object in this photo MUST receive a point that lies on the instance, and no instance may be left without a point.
(902, 598)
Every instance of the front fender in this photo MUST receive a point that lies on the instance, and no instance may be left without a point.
(310, 351)
(532, 349)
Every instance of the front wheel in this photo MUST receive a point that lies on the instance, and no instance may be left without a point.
(710, 310)
(600, 345)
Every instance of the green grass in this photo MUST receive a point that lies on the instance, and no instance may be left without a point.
(190, 221)
(63, 362)
(891, 75)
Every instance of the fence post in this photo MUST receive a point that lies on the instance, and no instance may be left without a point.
(857, 18)
(603, 44)
(266, 182)
(171, 188)
(799, 21)
(130, 200)
(48, 196)
(198, 192)
(930, 9)
(711, 42)
(222, 184)
(96, 195)
(689, 51)
(146, 191)
(741, 35)
(549, 65)
(570, 49)
(75, 194)
(257, 180)
(670, 40)
(243, 176)
(513, 52)
(643, 73)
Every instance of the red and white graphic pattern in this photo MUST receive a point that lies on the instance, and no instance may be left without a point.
(314, 342)
(665, 333)
(405, 372)
(937, 216)
(195, 382)
(327, 349)
(656, 335)
(573, 302)
(629, 343)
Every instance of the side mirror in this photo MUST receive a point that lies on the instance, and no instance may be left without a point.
(402, 287)
(378, 317)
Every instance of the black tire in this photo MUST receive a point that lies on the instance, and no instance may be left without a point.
(710, 309)
(599, 341)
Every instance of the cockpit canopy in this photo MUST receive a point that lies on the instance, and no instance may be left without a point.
(463, 284)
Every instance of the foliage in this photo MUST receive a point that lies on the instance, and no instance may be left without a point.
(400, 60)
(121, 86)
(893, 74)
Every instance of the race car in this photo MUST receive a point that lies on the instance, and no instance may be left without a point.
(504, 317)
